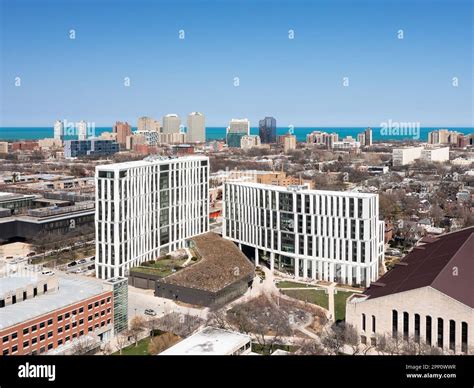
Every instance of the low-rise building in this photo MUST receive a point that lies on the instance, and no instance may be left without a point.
(405, 156)
(90, 147)
(212, 341)
(39, 314)
(249, 141)
(427, 297)
(435, 154)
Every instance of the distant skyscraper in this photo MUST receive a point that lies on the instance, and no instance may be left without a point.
(171, 123)
(237, 129)
(122, 130)
(368, 137)
(196, 127)
(148, 124)
(59, 130)
(82, 130)
(267, 130)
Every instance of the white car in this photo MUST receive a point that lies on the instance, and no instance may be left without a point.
(47, 272)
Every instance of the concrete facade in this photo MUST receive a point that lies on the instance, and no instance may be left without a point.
(426, 302)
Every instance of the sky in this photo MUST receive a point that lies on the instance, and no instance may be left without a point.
(299, 81)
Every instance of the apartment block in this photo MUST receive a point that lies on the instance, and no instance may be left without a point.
(311, 234)
(147, 208)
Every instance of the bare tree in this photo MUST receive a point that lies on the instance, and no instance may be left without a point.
(333, 339)
(387, 344)
(217, 318)
(137, 325)
(311, 347)
(122, 340)
(83, 346)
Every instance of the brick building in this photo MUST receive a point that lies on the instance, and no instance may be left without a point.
(39, 314)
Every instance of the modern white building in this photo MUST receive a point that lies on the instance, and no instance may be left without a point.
(59, 130)
(313, 234)
(405, 156)
(171, 123)
(196, 127)
(440, 154)
(148, 208)
(81, 130)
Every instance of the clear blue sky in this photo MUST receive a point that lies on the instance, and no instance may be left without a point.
(297, 81)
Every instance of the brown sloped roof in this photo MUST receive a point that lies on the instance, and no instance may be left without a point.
(222, 263)
(446, 264)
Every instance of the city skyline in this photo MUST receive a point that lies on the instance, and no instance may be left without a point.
(311, 48)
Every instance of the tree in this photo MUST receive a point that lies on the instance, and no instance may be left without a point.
(311, 347)
(217, 318)
(83, 346)
(333, 339)
(137, 325)
(387, 344)
(122, 339)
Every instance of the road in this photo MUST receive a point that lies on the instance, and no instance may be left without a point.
(139, 300)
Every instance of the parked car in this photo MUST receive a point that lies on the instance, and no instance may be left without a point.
(92, 266)
(72, 264)
(31, 254)
(9, 257)
(82, 261)
(47, 272)
(150, 312)
(93, 258)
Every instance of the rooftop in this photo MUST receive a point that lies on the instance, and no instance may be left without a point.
(147, 162)
(432, 264)
(71, 290)
(210, 341)
(301, 188)
(222, 263)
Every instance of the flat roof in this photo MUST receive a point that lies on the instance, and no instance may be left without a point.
(302, 189)
(12, 283)
(5, 196)
(147, 162)
(210, 341)
(71, 290)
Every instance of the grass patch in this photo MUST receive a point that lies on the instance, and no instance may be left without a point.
(318, 297)
(340, 304)
(288, 284)
(140, 350)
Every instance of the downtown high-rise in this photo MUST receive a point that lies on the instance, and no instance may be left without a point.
(267, 130)
(237, 129)
(311, 234)
(147, 208)
(196, 129)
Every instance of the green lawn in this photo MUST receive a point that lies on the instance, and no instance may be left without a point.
(340, 303)
(288, 284)
(140, 350)
(318, 297)
(161, 267)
